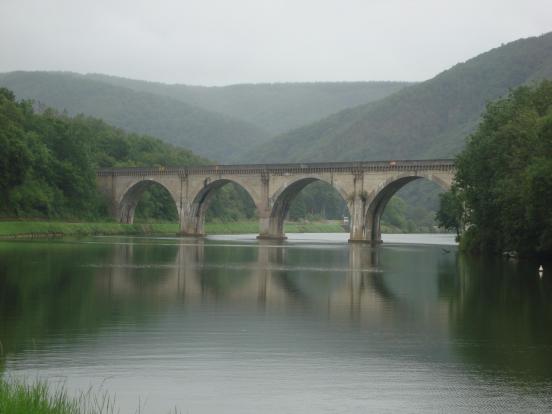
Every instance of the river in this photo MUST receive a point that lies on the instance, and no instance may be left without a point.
(232, 325)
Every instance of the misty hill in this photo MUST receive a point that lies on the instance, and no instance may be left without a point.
(273, 107)
(426, 120)
(209, 134)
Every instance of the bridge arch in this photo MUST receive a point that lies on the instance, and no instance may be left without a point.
(378, 199)
(132, 194)
(282, 198)
(194, 221)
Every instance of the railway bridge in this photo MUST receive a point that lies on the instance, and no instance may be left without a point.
(366, 187)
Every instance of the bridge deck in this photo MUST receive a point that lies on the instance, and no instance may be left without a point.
(297, 168)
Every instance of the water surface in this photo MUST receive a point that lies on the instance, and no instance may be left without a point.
(232, 325)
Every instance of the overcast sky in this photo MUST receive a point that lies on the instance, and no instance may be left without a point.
(219, 42)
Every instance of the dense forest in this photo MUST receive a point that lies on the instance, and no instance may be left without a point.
(48, 160)
(502, 196)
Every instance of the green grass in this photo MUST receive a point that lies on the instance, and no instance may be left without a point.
(17, 397)
(241, 227)
(34, 229)
(52, 228)
(314, 227)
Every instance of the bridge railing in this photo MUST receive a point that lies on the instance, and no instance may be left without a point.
(288, 168)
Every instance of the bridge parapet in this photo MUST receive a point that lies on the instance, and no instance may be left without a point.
(280, 169)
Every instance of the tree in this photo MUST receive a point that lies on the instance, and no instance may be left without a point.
(450, 214)
(503, 184)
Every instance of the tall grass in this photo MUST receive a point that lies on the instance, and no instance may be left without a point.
(17, 397)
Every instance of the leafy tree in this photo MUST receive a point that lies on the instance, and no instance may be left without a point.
(504, 176)
(15, 156)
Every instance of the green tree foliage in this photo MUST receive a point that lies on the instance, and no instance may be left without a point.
(48, 161)
(450, 214)
(504, 176)
(230, 203)
(318, 200)
(15, 158)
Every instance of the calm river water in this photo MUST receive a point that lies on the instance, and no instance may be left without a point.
(231, 325)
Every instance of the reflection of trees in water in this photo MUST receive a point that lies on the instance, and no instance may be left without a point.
(226, 269)
(306, 274)
(48, 288)
(501, 317)
(144, 265)
(44, 289)
(73, 287)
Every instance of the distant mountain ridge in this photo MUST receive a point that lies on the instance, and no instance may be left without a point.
(273, 107)
(219, 123)
(427, 120)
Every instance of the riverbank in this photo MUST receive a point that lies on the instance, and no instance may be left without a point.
(52, 229)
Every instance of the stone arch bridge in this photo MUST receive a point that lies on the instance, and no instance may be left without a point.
(365, 186)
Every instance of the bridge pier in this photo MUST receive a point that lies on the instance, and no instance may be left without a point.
(268, 226)
(362, 224)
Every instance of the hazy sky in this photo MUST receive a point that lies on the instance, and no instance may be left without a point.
(217, 42)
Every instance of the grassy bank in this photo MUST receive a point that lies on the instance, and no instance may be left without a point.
(30, 229)
(37, 229)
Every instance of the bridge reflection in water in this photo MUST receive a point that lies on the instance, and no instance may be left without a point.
(346, 283)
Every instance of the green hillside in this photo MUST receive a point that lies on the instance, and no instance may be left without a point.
(48, 160)
(430, 119)
(212, 135)
(273, 107)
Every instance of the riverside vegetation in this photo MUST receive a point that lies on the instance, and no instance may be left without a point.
(502, 195)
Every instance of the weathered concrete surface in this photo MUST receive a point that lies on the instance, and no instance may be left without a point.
(366, 187)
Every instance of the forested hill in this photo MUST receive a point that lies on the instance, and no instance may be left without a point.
(209, 134)
(48, 160)
(430, 119)
(274, 107)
